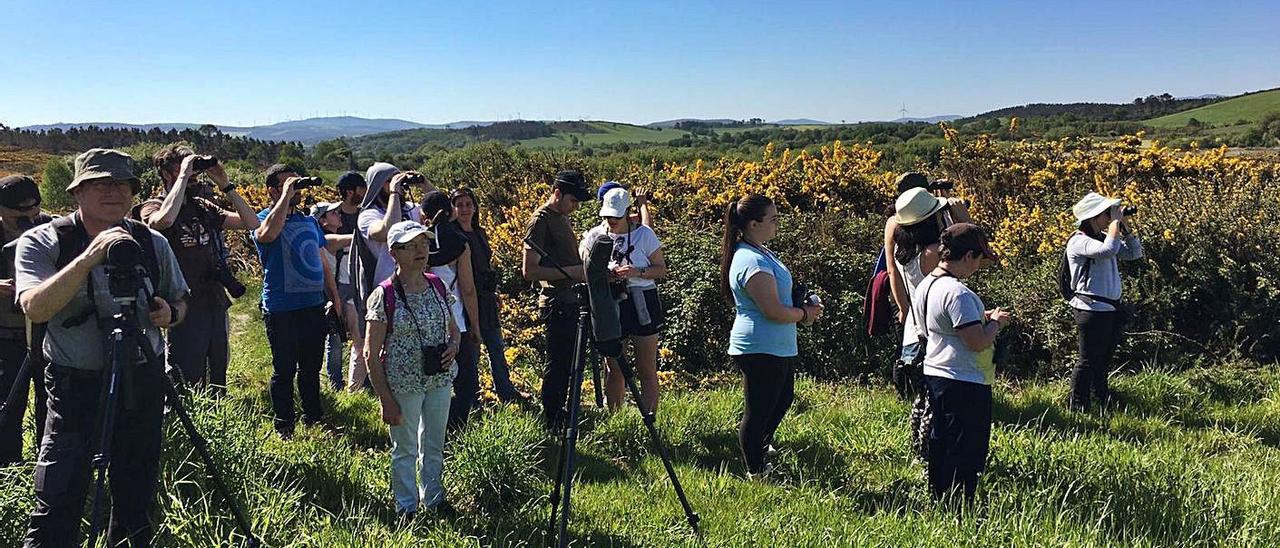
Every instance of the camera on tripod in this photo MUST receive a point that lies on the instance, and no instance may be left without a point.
(125, 273)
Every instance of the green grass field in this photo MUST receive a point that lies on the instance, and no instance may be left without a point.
(1249, 107)
(1189, 459)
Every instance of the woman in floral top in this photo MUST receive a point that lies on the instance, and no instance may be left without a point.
(414, 394)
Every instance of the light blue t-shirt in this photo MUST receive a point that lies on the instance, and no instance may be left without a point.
(752, 332)
(292, 267)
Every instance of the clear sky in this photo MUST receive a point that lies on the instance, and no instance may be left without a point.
(235, 62)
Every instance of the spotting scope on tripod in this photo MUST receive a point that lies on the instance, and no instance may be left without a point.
(121, 289)
(598, 323)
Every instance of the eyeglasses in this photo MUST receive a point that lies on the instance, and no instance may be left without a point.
(107, 184)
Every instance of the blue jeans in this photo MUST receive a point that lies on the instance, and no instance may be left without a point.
(333, 364)
(496, 348)
(417, 449)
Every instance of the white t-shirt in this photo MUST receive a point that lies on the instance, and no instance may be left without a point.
(912, 275)
(952, 306)
(386, 265)
(449, 276)
(642, 241)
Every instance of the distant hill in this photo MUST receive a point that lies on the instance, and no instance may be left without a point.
(1141, 109)
(527, 133)
(800, 122)
(929, 119)
(309, 131)
(1249, 107)
(679, 121)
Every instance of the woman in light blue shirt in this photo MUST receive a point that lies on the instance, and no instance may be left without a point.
(763, 339)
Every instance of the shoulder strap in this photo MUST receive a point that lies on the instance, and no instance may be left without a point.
(389, 301)
(142, 234)
(1085, 270)
(72, 239)
(437, 283)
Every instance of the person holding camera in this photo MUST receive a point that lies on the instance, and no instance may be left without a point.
(411, 341)
(296, 280)
(1093, 253)
(19, 212)
(195, 228)
(450, 260)
(55, 262)
(488, 303)
(341, 322)
(763, 340)
(550, 230)
(958, 334)
(635, 264)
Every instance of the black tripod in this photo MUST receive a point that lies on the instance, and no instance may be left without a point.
(126, 339)
(561, 494)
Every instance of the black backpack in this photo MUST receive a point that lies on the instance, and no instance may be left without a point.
(1066, 288)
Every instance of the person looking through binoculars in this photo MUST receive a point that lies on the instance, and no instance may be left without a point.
(635, 264)
(1093, 254)
(194, 227)
(59, 269)
(297, 282)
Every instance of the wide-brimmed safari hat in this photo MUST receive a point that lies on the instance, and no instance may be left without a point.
(1092, 205)
(916, 205)
(104, 163)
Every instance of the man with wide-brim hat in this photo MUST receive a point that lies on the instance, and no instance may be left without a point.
(53, 267)
(1093, 254)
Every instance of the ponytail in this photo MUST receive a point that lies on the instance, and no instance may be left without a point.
(751, 207)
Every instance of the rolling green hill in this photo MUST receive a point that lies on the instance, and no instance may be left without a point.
(603, 133)
(1251, 107)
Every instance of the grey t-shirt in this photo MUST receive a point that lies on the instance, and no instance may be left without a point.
(951, 307)
(82, 346)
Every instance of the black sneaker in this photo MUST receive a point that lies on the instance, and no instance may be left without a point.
(286, 432)
(444, 510)
(405, 519)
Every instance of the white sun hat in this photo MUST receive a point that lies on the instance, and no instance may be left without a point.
(1092, 205)
(616, 202)
(916, 205)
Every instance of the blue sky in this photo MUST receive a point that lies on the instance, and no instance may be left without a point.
(239, 62)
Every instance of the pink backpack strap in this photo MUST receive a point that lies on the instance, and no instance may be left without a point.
(389, 301)
(437, 283)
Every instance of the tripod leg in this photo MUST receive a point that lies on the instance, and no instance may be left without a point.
(596, 377)
(571, 427)
(201, 445)
(102, 459)
(629, 375)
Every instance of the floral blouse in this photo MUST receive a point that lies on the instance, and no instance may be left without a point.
(403, 347)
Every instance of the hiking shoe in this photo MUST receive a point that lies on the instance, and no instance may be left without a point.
(405, 519)
(762, 476)
(770, 451)
(444, 510)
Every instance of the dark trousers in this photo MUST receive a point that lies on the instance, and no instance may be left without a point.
(62, 475)
(466, 386)
(198, 346)
(561, 323)
(1099, 333)
(13, 352)
(768, 388)
(959, 434)
(297, 351)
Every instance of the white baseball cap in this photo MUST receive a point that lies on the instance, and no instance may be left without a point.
(404, 232)
(1092, 205)
(615, 203)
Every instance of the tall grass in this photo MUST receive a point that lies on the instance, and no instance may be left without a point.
(1188, 459)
